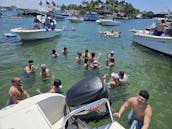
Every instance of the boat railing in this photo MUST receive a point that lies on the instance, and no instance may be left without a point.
(88, 107)
(134, 124)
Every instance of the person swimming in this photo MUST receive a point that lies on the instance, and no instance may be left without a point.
(54, 53)
(65, 51)
(30, 68)
(45, 72)
(79, 57)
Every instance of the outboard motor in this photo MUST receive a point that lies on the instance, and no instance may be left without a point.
(84, 92)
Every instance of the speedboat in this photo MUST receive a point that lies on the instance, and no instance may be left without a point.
(162, 44)
(56, 111)
(91, 16)
(108, 22)
(33, 34)
(75, 19)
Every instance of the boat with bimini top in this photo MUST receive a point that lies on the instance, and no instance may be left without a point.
(44, 28)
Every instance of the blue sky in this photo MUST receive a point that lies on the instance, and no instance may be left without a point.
(147, 5)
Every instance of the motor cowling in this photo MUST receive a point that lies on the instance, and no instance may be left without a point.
(86, 91)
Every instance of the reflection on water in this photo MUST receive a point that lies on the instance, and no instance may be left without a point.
(147, 69)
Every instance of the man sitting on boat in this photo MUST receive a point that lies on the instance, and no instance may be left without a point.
(159, 30)
(50, 23)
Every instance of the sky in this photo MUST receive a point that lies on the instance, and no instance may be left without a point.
(156, 6)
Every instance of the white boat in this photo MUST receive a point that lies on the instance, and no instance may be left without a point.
(162, 44)
(53, 111)
(91, 16)
(75, 19)
(33, 34)
(108, 22)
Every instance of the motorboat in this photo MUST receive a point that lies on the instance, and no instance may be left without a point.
(108, 22)
(44, 28)
(75, 19)
(33, 34)
(91, 16)
(56, 111)
(162, 43)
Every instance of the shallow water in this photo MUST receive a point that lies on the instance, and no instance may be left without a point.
(147, 69)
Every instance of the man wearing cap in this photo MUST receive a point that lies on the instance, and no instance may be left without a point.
(30, 67)
(142, 111)
(45, 72)
(112, 80)
(95, 64)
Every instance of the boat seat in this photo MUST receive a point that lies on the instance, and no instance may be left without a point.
(53, 108)
(58, 124)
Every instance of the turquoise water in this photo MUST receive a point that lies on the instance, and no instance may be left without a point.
(147, 69)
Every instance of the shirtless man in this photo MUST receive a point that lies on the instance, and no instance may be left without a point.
(30, 67)
(142, 111)
(160, 28)
(16, 91)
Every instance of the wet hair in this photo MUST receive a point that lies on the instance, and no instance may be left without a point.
(53, 51)
(57, 82)
(30, 61)
(121, 74)
(65, 48)
(144, 94)
(93, 54)
(162, 21)
(86, 50)
(79, 54)
(111, 54)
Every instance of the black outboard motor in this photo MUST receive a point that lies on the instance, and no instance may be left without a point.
(84, 92)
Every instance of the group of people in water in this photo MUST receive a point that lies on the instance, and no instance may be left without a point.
(115, 79)
(17, 89)
(90, 60)
(142, 111)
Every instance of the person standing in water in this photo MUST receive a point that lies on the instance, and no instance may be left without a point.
(142, 111)
(17, 91)
(30, 68)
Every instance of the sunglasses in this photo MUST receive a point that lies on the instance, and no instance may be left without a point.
(18, 81)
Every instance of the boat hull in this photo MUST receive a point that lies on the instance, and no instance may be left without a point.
(76, 20)
(162, 44)
(34, 34)
(109, 23)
